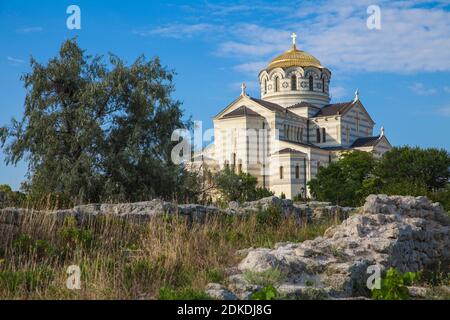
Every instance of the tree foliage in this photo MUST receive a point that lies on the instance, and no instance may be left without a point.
(10, 198)
(239, 187)
(401, 171)
(342, 181)
(416, 166)
(95, 129)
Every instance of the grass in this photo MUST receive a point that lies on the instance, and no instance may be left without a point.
(166, 258)
(269, 277)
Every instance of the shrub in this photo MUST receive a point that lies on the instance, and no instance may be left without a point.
(266, 293)
(269, 277)
(73, 236)
(262, 193)
(442, 196)
(272, 217)
(28, 280)
(393, 285)
(25, 245)
(215, 275)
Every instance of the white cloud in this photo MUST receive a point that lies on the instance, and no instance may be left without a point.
(444, 112)
(422, 90)
(177, 31)
(15, 61)
(338, 92)
(251, 68)
(30, 29)
(413, 38)
(337, 34)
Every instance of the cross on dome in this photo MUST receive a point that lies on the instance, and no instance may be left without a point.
(294, 39)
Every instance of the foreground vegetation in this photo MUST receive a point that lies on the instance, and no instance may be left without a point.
(167, 258)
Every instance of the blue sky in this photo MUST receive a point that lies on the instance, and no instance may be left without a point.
(401, 70)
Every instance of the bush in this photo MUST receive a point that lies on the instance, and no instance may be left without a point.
(73, 236)
(265, 278)
(272, 217)
(28, 280)
(262, 193)
(25, 245)
(266, 293)
(442, 196)
(393, 285)
(239, 187)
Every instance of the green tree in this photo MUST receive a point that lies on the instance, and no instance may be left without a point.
(95, 130)
(414, 169)
(342, 182)
(10, 198)
(239, 187)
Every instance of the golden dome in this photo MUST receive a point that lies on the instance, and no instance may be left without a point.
(294, 58)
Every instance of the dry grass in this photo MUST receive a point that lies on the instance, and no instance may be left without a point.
(124, 260)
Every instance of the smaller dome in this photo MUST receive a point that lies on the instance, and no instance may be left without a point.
(294, 58)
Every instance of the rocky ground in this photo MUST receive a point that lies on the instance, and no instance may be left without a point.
(143, 211)
(406, 233)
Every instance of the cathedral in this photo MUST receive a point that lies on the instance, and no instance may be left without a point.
(284, 137)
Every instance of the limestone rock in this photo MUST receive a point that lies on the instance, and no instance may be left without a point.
(219, 292)
(407, 233)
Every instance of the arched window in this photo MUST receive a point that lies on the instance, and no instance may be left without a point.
(265, 86)
(276, 84)
(281, 172)
(318, 135)
(324, 135)
(297, 172)
(323, 84)
(294, 82)
(311, 83)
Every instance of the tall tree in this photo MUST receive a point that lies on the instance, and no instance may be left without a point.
(93, 129)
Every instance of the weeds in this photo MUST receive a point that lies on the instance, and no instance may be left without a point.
(120, 259)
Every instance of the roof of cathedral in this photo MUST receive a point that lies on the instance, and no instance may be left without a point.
(273, 106)
(334, 109)
(294, 58)
(269, 105)
(302, 144)
(242, 111)
(288, 151)
(303, 104)
(365, 142)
